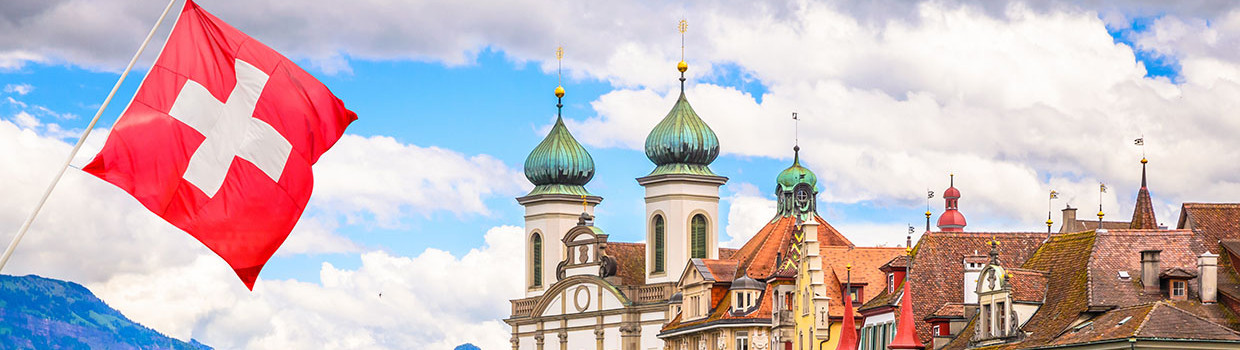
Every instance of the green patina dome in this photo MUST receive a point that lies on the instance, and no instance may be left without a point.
(796, 174)
(682, 143)
(559, 165)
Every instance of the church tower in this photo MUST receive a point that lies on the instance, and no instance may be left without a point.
(951, 220)
(682, 193)
(559, 168)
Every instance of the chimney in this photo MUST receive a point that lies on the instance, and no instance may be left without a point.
(1069, 220)
(1207, 272)
(1150, 268)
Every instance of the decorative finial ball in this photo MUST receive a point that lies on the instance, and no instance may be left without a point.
(682, 66)
(1048, 222)
(1100, 214)
(908, 251)
(928, 213)
(559, 91)
(849, 266)
(1143, 160)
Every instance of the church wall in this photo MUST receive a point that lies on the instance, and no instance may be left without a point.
(611, 338)
(526, 343)
(650, 340)
(678, 201)
(552, 219)
(582, 340)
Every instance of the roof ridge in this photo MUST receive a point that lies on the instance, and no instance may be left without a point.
(1173, 307)
(1145, 320)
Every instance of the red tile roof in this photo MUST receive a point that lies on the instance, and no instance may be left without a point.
(1120, 250)
(1214, 222)
(938, 265)
(1028, 285)
(631, 261)
(948, 311)
(758, 257)
(865, 262)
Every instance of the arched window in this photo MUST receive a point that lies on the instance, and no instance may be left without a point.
(659, 242)
(537, 265)
(697, 237)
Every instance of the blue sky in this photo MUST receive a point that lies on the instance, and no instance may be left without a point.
(1014, 98)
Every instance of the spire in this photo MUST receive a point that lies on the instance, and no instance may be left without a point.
(1143, 213)
(1102, 188)
(906, 330)
(848, 330)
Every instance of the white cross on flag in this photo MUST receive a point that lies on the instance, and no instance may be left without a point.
(219, 140)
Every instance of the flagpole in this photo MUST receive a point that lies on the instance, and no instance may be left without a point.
(8, 252)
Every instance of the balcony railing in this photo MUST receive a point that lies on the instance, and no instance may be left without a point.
(523, 307)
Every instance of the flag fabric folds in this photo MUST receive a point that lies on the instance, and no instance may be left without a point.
(220, 138)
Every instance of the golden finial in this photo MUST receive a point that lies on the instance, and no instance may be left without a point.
(559, 58)
(849, 266)
(584, 204)
(928, 214)
(1100, 215)
(908, 251)
(1049, 222)
(1143, 160)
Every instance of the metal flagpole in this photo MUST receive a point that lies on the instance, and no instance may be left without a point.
(8, 252)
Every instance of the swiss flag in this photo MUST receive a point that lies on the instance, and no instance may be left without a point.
(219, 140)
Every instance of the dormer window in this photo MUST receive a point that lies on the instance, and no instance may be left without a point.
(891, 283)
(855, 293)
(1179, 290)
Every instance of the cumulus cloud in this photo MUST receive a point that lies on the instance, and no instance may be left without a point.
(430, 301)
(748, 212)
(1015, 105)
(378, 177)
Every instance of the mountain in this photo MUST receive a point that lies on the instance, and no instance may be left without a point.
(43, 313)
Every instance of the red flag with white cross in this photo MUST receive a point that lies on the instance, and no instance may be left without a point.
(219, 140)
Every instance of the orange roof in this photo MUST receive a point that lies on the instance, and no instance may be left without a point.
(759, 257)
(1214, 222)
(865, 262)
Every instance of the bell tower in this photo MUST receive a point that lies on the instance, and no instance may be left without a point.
(559, 167)
(682, 193)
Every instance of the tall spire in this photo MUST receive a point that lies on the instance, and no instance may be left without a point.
(1143, 213)
(906, 329)
(848, 330)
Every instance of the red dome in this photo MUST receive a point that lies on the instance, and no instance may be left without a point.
(951, 192)
(951, 220)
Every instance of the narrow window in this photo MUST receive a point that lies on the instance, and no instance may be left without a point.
(742, 340)
(1002, 321)
(986, 321)
(537, 265)
(891, 283)
(659, 238)
(935, 330)
(698, 237)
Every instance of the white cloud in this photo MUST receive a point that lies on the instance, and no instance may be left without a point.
(748, 212)
(382, 178)
(20, 89)
(431, 301)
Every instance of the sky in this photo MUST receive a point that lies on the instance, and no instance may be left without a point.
(416, 201)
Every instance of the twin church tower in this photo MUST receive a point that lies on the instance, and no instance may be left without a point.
(682, 195)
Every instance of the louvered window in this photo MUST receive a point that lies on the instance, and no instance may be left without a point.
(697, 235)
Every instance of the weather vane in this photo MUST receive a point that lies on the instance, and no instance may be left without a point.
(796, 130)
(1140, 141)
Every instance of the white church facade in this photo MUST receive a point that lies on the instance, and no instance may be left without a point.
(583, 292)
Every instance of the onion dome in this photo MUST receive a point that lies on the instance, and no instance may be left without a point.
(747, 283)
(559, 165)
(682, 143)
(952, 220)
(796, 174)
